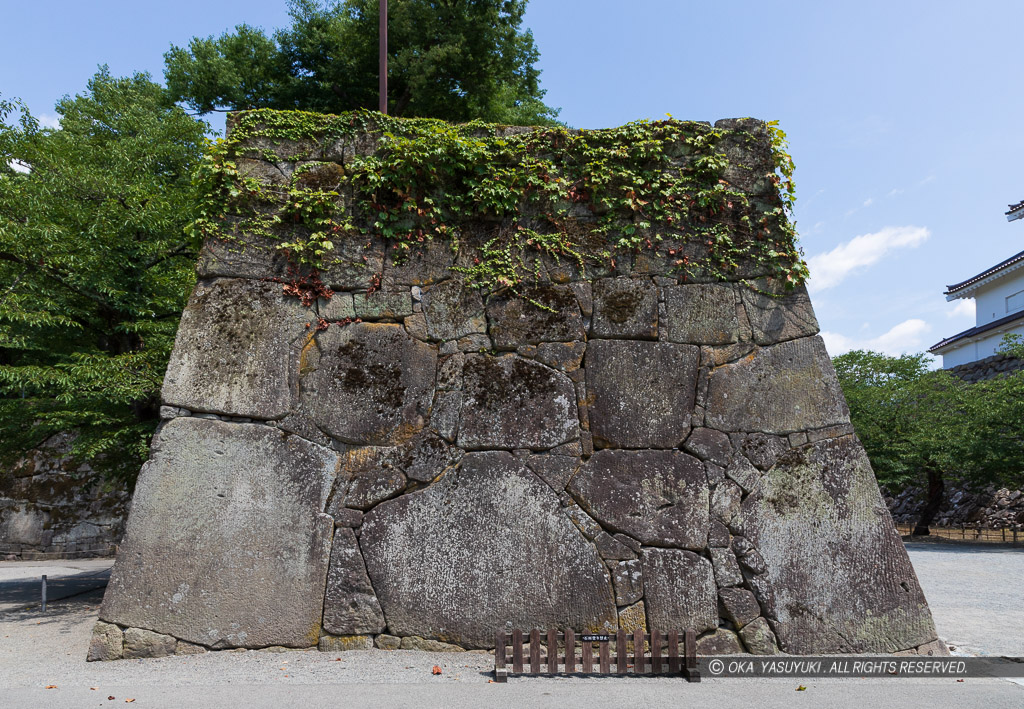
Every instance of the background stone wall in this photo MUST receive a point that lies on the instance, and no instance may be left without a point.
(415, 462)
(48, 510)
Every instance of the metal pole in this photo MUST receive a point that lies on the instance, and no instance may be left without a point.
(44, 593)
(383, 56)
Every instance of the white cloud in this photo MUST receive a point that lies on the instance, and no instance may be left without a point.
(965, 307)
(894, 192)
(869, 201)
(48, 120)
(907, 336)
(18, 166)
(831, 268)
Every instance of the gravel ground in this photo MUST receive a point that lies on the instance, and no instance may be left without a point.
(976, 594)
(964, 587)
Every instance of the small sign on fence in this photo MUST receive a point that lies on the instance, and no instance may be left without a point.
(635, 653)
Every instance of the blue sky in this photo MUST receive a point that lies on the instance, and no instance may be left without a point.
(904, 117)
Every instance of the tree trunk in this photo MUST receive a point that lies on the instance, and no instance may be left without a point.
(936, 486)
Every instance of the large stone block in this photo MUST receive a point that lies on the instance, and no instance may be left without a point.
(777, 315)
(541, 314)
(699, 314)
(510, 402)
(368, 384)
(625, 308)
(226, 544)
(453, 311)
(837, 575)
(641, 393)
(237, 350)
(679, 590)
(350, 605)
(779, 389)
(486, 545)
(658, 497)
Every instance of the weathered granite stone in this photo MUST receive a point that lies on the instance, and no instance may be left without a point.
(679, 589)
(510, 402)
(642, 393)
(107, 643)
(628, 581)
(245, 501)
(555, 470)
(612, 549)
(781, 316)
(139, 644)
(563, 356)
(588, 527)
(236, 350)
(858, 596)
(725, 501)
(389, 304)
(339, 306)
(353, 264)
(183, 648)
(718, 534)
(710, 445)
(539, 314)
(759, 638)
(699, 314)
(369, 476)
(727, 570)
(414, 642)
(387, 642)
(428, 263)
(743, 473)
(659, 497)
(241, 256)
(625, 308)
(424, 557)
(449, 371)
(720, 642)
(715, 473)
(344, 643)
(738, 605)
(426, 456)
(345, 517)
(368, 383)
(780, 389)
(748, 556)
(350, 606)
(453, 310)
(633, 618)
(444, 416)
(763, 450)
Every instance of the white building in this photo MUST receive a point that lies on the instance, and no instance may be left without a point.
(998, 293)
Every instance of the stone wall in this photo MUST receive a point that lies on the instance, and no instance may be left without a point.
(988, 368)
(988, 508)
(416, 462)
(49, 509)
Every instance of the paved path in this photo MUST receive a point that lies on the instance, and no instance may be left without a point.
(964, 587)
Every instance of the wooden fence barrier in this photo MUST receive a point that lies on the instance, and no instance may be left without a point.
(556, 651)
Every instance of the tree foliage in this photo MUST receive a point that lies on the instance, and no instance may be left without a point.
(95, 266)
(450, 59)
(924, 427)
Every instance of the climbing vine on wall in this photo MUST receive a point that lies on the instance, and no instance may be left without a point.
(508, 194)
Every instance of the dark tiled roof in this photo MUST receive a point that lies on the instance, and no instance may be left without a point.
(985, 274)
(1015, 210)
(978, 330)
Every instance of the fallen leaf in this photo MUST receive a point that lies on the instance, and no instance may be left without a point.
(801, 688)
(94, 688)
(436, 670)
(959, 680)
(128, 701)
(51, 686)
(111, 698)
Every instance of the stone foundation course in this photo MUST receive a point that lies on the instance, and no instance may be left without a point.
(412, 461)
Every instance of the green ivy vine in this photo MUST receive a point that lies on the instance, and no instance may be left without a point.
(578, 196)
